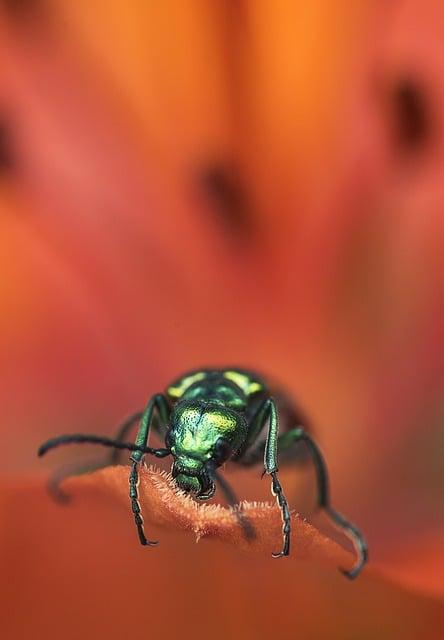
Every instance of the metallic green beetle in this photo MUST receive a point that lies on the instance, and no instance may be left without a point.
(207, 417)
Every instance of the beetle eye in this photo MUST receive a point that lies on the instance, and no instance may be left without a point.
(222, 450)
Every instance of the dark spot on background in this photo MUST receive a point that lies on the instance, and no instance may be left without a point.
(412, 126)
(19, 8)
(7, 160)
(221, 185)
(26, 13)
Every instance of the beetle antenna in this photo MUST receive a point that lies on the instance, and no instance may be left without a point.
(80, 438)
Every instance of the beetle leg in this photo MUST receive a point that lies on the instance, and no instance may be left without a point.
(298, 434)
(271, 467)
(267, 451)
(135, 506)
(233, 501)
(157, 402)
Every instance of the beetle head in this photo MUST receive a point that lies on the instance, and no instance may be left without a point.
(193, 476)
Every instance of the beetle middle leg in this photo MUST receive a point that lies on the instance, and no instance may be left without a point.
(298, 434)
(232, 500)
(285, 442)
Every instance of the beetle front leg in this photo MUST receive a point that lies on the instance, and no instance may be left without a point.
(271, 467)
(159, 403)
(135, 506)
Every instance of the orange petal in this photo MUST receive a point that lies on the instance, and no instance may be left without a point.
(79, 572)
(166, 506)
(418, 565)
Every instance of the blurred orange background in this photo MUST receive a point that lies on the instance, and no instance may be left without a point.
(188, 183)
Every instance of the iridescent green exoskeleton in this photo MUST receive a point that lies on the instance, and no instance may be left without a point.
(207, 417)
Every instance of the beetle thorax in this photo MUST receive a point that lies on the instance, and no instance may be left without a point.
(196, 428)
(201, 437)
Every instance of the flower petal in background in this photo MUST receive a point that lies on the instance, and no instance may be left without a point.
(318, 130)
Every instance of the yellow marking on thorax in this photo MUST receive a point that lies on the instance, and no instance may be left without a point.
(243, 381)
(177, 391)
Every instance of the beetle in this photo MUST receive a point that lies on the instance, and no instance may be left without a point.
(210, 416)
